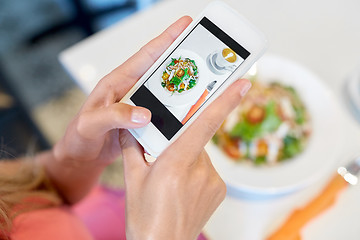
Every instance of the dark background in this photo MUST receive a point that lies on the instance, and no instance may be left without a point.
(35, 91)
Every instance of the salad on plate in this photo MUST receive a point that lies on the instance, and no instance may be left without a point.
(180, 75)
(270, 125)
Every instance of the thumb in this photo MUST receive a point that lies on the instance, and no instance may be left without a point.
(97, 122)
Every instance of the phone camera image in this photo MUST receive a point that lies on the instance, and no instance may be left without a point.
(193, 71)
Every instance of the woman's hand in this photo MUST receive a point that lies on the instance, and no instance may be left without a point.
(92, 139)
(175, 196)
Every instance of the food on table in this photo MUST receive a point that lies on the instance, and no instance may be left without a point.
(180, 75)
(270, 125)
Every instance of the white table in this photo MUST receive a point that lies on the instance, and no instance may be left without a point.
(322, 35)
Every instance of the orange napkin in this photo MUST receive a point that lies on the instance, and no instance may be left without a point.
(290, 230)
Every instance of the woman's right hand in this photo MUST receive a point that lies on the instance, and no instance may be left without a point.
(175, 196)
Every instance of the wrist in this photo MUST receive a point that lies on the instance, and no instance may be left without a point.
(73, 179)
(76, 161)
(157, 233)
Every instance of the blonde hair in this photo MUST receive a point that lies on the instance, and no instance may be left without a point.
(24, 186)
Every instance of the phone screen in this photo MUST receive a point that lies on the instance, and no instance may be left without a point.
(188, 77)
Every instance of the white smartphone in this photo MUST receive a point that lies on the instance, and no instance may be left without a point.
(217, 48)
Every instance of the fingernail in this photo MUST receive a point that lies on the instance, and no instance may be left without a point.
(245, 86)
(139, 116)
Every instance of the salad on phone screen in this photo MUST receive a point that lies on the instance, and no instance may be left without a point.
(180, 75)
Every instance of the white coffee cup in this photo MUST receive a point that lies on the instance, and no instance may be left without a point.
(225, 58)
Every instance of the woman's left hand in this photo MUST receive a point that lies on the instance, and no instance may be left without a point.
(92, 139)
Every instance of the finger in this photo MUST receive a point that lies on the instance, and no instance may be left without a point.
(139, 63)
(95, 123)
(199, 133)
(133, 157)
(125, 76)
(120, 80)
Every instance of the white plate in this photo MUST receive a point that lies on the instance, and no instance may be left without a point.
(185, 98)
(321, 153)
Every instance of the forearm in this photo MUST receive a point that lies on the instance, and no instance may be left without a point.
(73, 180)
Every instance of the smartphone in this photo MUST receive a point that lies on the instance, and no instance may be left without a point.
(217, 48)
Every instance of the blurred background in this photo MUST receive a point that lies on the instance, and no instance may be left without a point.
(37, 96)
